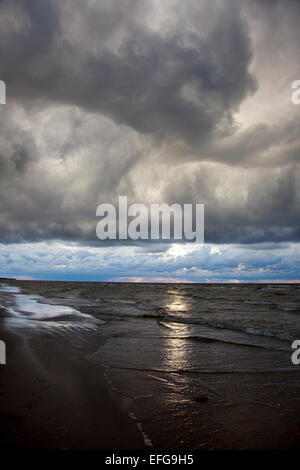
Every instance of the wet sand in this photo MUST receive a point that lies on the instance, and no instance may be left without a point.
(129, 382)
(52, 399)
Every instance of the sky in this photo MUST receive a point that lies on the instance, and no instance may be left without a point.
(164, 102)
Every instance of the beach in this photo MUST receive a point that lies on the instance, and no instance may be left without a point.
(149, 366)
(51, 399)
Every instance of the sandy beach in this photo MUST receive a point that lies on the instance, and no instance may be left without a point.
(51, 399)
(113, 381)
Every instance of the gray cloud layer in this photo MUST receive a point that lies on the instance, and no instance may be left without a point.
(164, 103)
(178, 85)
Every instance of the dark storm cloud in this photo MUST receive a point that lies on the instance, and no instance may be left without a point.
(254, 206)
(179, 85)
(261, 145)
(17, 150)
(107, 98)
(51, 191)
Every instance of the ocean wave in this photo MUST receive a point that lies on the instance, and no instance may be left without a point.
(243, 329)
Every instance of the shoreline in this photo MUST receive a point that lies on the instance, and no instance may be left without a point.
(105, 381)
(54, 400)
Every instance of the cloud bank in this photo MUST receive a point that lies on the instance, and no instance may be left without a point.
(185, 102)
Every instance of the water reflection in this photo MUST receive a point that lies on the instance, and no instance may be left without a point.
(5, 288)
(32, 311)
(35, 308)
(176, 351)
(177, 304)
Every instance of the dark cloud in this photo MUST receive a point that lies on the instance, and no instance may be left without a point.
(163, 102)
(180, 85)
(247, 207)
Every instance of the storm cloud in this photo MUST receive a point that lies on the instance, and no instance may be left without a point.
(181, 102)
(179, 83)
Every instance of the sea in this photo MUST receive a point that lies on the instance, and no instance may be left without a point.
(202, 366)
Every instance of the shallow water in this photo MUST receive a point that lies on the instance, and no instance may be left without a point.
(171, 328)
(168, 345)
(26, 308)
